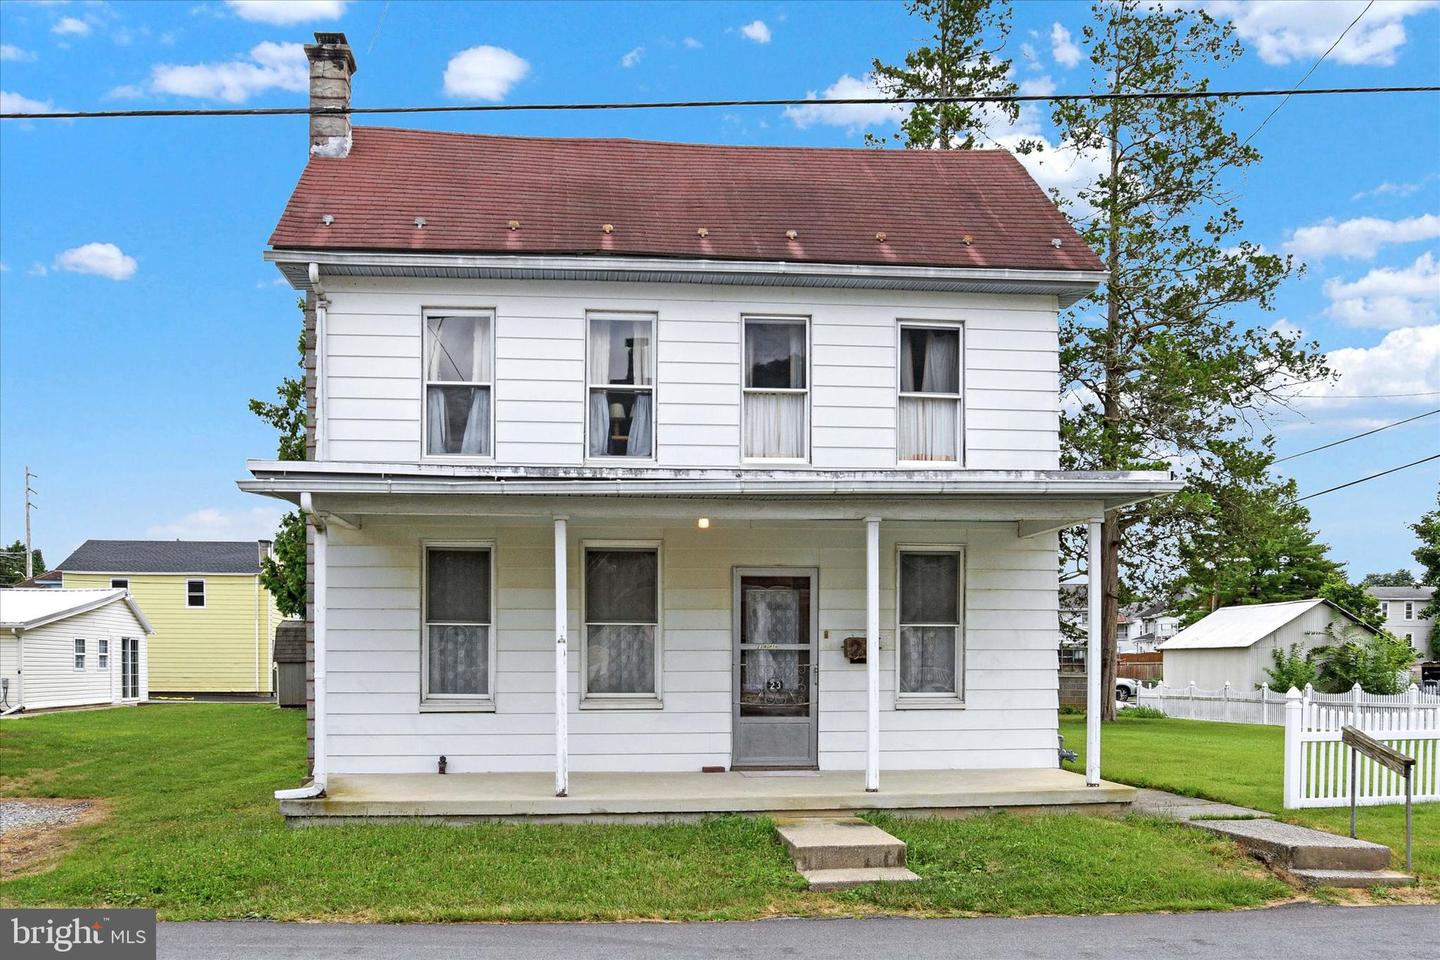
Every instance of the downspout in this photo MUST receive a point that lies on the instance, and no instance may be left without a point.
(322, 434)
(316, 786)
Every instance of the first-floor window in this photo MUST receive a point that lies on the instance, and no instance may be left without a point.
(458, 619)
(194, 593)
(622, 621)
(931, 649)
(102, 654)
(79, 654)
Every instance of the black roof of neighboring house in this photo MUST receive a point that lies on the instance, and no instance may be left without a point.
(290, 641)
(164, 556)
(1401, 593)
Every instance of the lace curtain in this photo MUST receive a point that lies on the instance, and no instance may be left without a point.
(929, 622)
(621, 589)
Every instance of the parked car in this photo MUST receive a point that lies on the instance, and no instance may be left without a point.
(1126, 690)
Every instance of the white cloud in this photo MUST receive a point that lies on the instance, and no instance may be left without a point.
(1030, 56)
(212, 523)
(287, 12)
(1282, 31)
(128, 91)
(71, 27)
(853, 116)
(632, 58)
(1387, 298)
(272, 66)
(8, 51)
(15, 103)
(1360, 238)
(484, 73)
(1064, 49)
(757, 31)
(692, 44)
(1388, 189)
(1406, 361)
(99, 259)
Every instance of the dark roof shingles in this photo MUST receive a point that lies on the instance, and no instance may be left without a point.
(164, 556)
(469, 187)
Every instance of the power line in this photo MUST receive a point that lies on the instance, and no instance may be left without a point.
(1373, 476)
(689, 104)
(1301, 83)
(1336, 443)
(1370, 396)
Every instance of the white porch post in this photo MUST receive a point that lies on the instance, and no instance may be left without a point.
(872, 653)
(562, 667)
(1093, 668)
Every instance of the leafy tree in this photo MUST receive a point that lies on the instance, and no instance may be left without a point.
(1376, 661)
(283, 573)
(1293, 669)
(1353, 599)
(12, 563)
(1160, 365)
(1399, 578)
(962, 59)
(1427, 530)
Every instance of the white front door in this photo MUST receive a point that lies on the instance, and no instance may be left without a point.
(776, 711)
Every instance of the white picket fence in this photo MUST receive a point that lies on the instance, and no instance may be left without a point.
(1266, 706)
(1317, 762)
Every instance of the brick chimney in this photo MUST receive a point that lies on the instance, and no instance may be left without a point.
(332, 64)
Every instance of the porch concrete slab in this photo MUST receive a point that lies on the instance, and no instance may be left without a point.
(846, 878)
(1170, 806)
(462, 797)
(1290, 847)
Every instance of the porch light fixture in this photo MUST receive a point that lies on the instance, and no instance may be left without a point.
(703, 523)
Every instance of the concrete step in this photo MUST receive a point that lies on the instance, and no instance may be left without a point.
(1288, 847)
(839, 843)
(823, 880)
(1363, 879)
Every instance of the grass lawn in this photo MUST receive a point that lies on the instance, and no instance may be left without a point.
(194, 833)
(1242, 763)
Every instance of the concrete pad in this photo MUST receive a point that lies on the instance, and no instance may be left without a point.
(473, 797)
(1171, 806)
(823, 880)
(1286, 846)
(1361, 879)
(840, 843)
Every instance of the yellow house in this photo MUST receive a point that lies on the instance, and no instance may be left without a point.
(214, 622)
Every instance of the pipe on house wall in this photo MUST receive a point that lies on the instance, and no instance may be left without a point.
(322, 305)
(316, 786)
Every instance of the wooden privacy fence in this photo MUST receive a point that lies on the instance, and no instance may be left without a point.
(1266, 706)
(1318, 760)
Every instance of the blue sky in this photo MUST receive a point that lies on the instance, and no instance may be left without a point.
(136, 316)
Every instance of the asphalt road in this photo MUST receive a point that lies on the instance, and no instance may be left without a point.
(1312, 932)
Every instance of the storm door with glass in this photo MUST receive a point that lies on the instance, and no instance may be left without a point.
(775, 670)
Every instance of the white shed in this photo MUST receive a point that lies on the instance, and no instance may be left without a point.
(68, 648)
(1235, 644)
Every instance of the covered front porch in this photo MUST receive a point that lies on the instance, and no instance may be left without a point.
(654, 797)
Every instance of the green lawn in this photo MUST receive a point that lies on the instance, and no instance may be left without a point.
(195, 834)
(1241, 763)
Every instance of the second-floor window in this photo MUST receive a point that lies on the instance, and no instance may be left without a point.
(458, 384)
(119, 583)
(1409, 611)
(621, 381)
(929, 393)
(776, 389)
(194, 593)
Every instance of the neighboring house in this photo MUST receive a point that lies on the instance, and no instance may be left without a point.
(624, 453)
(1147, 627)
(50, 579)
(1236, 644)
(214, 621)
(1401, 607)
(70, 648)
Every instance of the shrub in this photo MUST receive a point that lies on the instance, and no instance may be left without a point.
(1140, 713)
(1378, 662)
(1293, 668)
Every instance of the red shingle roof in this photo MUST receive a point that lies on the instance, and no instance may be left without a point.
(659, 196)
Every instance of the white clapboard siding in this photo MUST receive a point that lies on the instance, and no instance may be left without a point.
(372, 368)
(50, 678)
(376, 723)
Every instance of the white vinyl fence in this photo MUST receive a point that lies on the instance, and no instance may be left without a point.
(1266, 706)
(1317, 762)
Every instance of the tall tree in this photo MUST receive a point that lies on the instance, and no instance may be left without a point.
(283, 573)
(1398, 578)
(1158, 360)
(1427, 530)
(12, 563)
(960, 59)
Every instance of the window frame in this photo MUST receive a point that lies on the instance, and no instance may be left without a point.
(932, 701)
(653, 387)
(425, 383)
(1385, 609)
(1409, 610)
(778, 318)
(456, 702)
(204, 594)
(79, 655)
(102, 653)
(119, 583)
(958, 326)
(622, 701)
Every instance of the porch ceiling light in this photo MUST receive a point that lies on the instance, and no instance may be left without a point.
(703, 523)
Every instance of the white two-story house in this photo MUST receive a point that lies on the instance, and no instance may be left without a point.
(659, 458)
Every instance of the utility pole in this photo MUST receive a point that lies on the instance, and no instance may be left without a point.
(29, 551)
